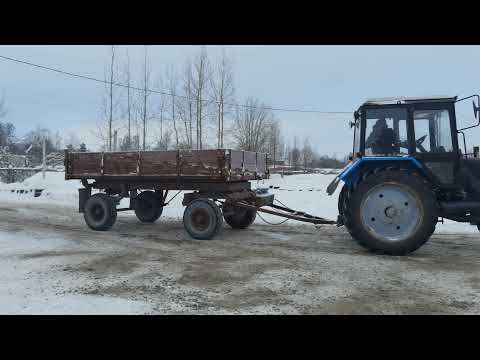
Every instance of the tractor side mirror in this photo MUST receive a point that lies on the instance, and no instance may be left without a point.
(356, 115)
(476, 109)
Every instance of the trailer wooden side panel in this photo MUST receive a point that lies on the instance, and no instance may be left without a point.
(158, 163)
(120, 164)
(201, 165)
(210, 164)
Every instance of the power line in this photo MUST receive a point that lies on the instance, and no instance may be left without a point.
(164, 92)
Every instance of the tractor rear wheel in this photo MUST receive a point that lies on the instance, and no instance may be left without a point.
(344, 208)
(393, 212)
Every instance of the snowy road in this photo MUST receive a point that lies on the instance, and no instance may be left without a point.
(51, 263)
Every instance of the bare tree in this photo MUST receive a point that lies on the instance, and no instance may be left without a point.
(275, 141)
(110, 102)
(295, 153)
(200, 80)
(127, 143)
(307, 154)
(163, 143)
(161, 108)
(172, 88)
(3, 110)
(288, 153)
(223, 92)
(7, 130)
(252, 126)
(186, 106)
(112, 72)
(145, 93)
(73, 140)
(57, 141)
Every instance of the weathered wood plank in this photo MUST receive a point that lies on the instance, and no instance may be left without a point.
(211, 165)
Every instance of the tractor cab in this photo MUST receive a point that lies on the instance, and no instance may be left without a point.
(423, 128)
(405, 126)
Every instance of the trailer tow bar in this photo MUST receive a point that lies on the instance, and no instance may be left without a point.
(285, 212)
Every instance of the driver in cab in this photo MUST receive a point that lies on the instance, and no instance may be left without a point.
(381, 139)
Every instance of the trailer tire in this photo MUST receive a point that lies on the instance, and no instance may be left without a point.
(148, 206)
(100, 212)
(242, 217)
(379, 235)
(202, 219)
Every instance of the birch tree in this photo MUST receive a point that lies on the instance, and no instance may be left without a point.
(172, 88)
(110, 102)
(127, 143)
(161, 110)
(145, 93)
(223, 92)
(112, 73)
(200, 81)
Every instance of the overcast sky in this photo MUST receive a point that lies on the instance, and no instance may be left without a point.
(327, 78)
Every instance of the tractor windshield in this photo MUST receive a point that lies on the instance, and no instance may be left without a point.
(386, 132)
(432, 131)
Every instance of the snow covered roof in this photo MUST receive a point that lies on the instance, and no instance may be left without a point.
(405, 100)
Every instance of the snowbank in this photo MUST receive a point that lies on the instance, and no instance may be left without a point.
(305, 192)
(55, 189)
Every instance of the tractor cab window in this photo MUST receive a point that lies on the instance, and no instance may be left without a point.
(386, 132)
(356, 137)
(432, 131)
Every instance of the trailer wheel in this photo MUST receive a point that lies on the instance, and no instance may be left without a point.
(393, 212)
(100, 212)
(202, 219)
(148, 206)
(238, 217)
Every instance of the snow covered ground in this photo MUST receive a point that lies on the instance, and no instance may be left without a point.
(51, 263)
(306, 192)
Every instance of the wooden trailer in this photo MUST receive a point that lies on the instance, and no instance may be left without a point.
(219, 181)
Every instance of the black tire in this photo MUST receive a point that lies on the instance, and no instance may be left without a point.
(241, 217)
(148, 206)
(427, 219)
(202, 219)
(344, 207)
(100, 212)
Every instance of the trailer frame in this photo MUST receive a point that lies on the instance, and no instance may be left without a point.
(209, 200)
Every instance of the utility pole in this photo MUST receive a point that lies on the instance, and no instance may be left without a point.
(44, 165)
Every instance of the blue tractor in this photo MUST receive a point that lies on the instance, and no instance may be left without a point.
(407, 172)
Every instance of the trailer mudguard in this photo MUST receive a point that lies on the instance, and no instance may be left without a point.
(355, 169)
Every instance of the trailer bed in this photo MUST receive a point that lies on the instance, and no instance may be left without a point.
(221, 166)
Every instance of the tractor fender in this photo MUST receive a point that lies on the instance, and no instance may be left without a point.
(355, 168)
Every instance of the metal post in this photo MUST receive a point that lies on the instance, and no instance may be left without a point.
(44, 165)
